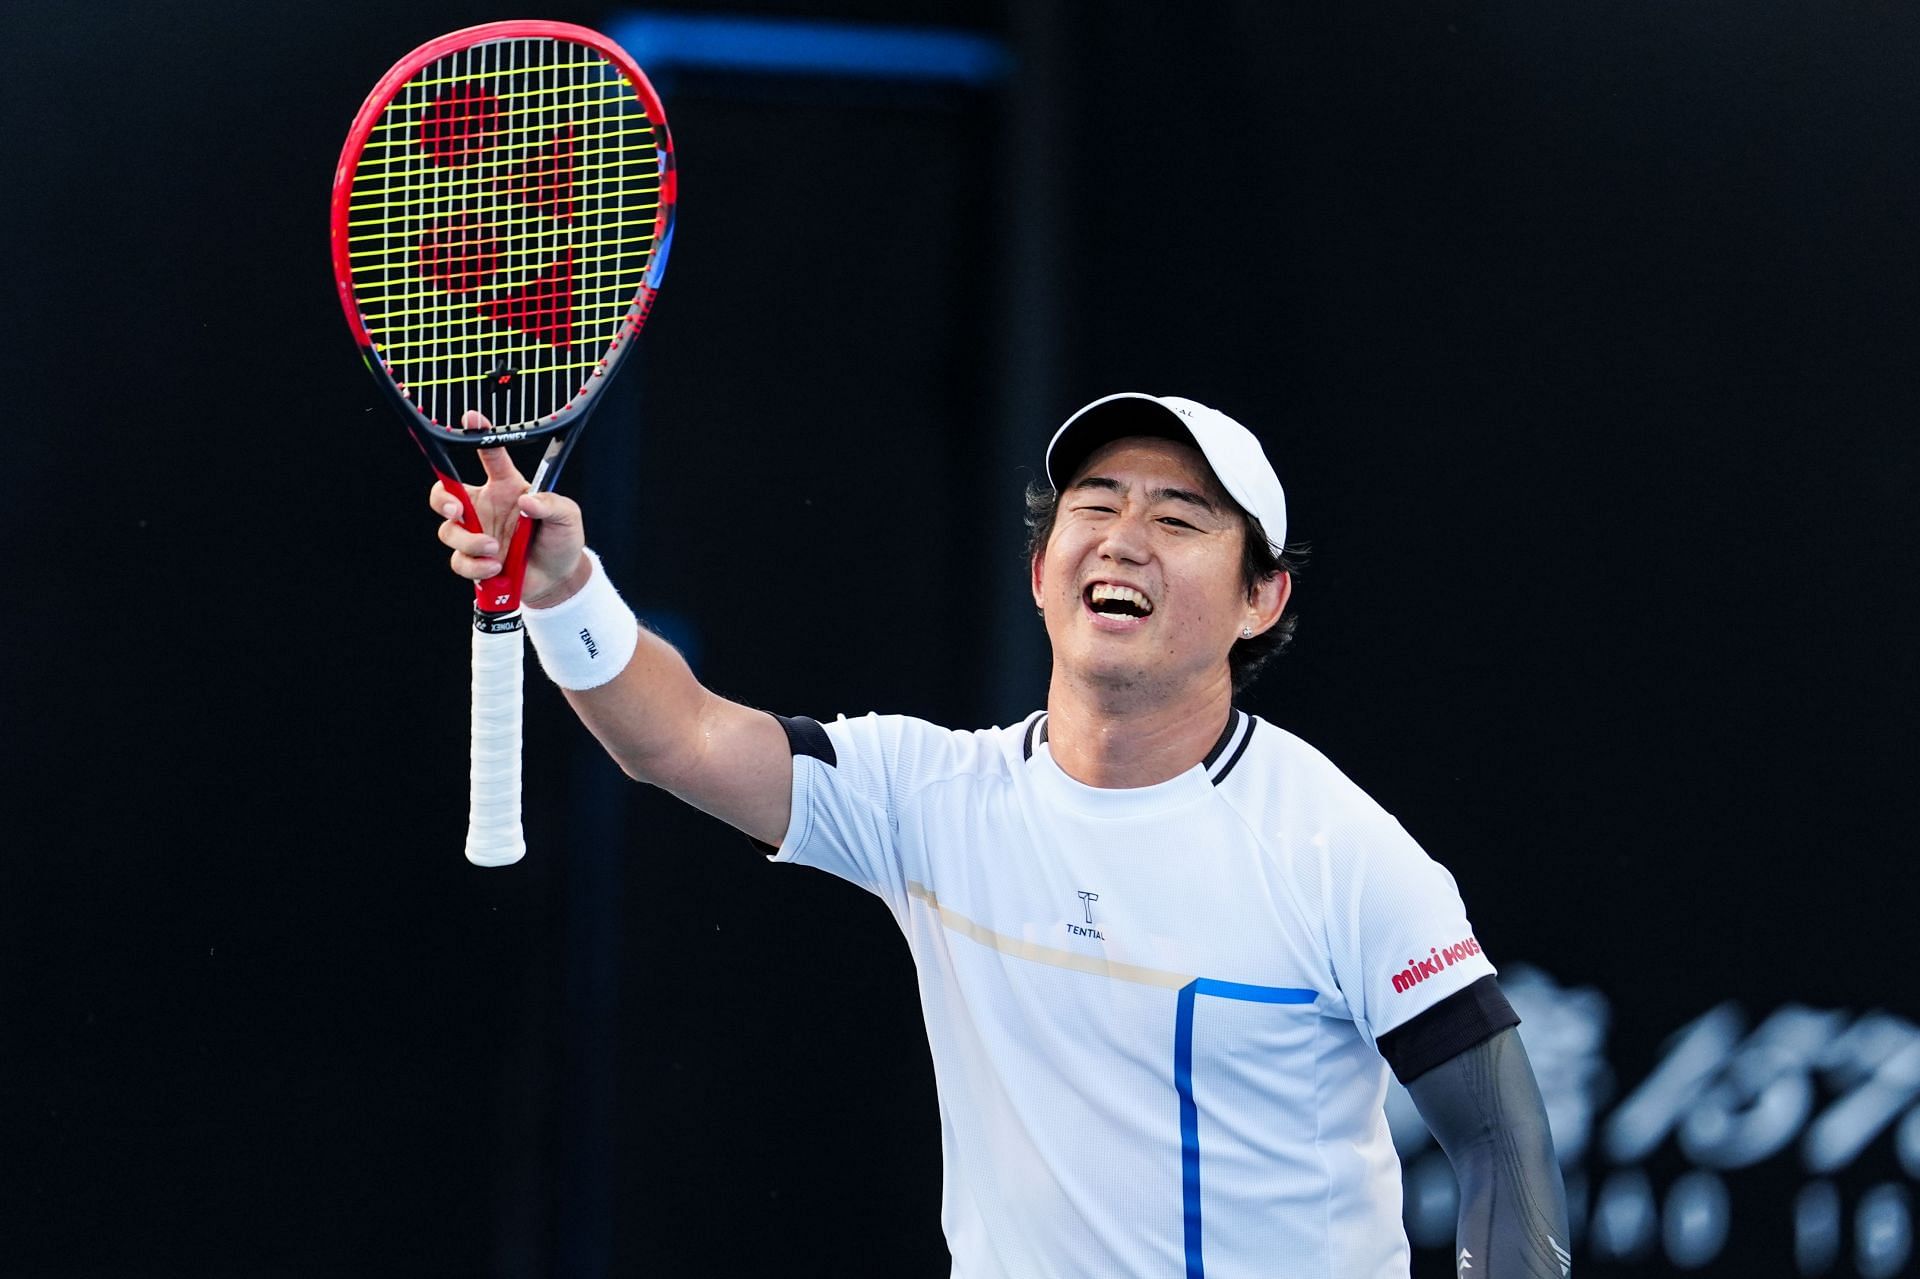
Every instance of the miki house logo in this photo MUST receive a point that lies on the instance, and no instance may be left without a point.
(1418, 970)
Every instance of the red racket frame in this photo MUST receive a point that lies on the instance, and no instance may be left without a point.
(500, 596)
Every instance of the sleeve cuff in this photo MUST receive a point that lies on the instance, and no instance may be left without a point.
(1460, 1021)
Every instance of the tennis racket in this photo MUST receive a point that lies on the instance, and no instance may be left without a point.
(501, 219)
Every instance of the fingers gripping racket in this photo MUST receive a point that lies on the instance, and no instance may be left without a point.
(501, 219)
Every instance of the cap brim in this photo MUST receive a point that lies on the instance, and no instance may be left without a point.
(1113, 417)
(1233, 453)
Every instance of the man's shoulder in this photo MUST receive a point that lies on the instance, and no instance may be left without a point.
(1276, 749)
(1288, 778)
(911, 745)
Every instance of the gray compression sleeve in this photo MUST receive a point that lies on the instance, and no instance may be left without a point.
(1484, 1107)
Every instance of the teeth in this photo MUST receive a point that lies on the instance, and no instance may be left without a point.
(1103, 591)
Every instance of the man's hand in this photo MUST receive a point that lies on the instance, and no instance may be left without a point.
(654, 717)
(555, 566)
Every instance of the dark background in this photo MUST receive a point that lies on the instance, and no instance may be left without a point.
(1582, 336)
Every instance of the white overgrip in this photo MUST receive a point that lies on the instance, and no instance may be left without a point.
(493, 815)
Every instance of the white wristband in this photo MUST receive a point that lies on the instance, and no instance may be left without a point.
(588, 638)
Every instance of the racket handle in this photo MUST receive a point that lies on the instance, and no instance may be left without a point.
(493, 814)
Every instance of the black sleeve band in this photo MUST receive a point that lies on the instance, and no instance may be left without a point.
(1458, 1022)
(806, 737)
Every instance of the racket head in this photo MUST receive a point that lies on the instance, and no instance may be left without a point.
(502, 213)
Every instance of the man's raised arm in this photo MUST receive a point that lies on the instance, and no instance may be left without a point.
(656, 720)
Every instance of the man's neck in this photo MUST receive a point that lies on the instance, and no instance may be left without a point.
(1117, 740)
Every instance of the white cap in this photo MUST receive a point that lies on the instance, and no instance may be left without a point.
(1237, 459)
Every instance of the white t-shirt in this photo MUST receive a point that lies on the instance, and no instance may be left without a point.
(1152, 1012)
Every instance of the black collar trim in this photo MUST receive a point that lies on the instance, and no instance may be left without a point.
(1034, 725)
(1226, 735)
(1239, 731)
(1235, 736)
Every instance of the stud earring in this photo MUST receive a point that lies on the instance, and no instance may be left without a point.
(1246, 632)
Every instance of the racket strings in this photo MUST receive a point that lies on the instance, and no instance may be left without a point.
(502, 222)
(398, 153)
(640, 219)
(462, 273)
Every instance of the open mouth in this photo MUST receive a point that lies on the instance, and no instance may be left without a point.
(1117, 601)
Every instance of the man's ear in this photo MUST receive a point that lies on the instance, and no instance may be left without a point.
(1037, 575)
(1269, 598)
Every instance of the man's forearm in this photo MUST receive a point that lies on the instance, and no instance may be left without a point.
(630, 687)
(638, 696)
(1485, 1109)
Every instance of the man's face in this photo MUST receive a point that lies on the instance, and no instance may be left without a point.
(1141, 579)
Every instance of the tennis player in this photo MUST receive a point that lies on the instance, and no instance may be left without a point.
(1167, 952)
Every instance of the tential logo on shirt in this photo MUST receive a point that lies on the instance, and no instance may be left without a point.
(1087, 899)
(1418, 970)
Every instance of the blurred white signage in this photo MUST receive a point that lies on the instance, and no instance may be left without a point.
(1813, 1088)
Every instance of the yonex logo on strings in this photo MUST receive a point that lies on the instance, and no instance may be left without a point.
(1418, 970)
(461, 130)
